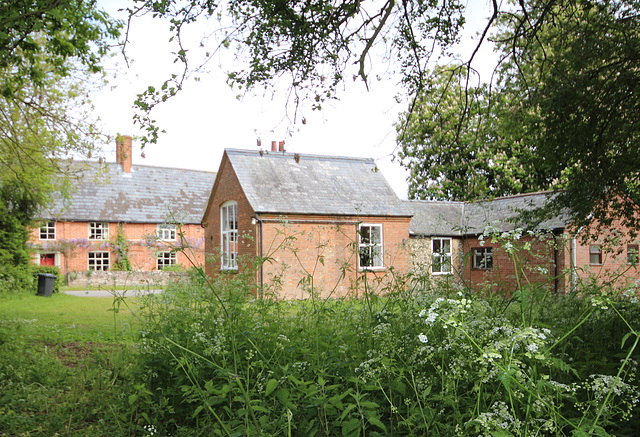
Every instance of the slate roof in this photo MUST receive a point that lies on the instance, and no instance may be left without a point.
(473, 218)
(288, 183)
(146, 195)
(435, 218)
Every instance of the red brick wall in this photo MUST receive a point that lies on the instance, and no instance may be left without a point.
(72, 245)
(227, 188)
(319, 254)
(614, 266)
(533, 261)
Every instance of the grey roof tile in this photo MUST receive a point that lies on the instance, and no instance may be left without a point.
(502, 214)
(146, 195)
(437, 218)
(288, 183)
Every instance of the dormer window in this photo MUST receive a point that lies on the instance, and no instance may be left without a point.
(229, 235)
(166, 232)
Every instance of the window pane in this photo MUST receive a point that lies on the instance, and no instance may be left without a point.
(595, 255)
(446, 246)
(370, 242)
(229, 236)
(437, 245)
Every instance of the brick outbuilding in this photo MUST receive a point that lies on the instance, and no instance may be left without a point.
(493, 248)
(317, 225)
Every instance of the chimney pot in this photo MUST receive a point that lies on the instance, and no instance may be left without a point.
(281, 146)
(274, 146)
(123, 152)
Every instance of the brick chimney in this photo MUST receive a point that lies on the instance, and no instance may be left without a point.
(281, 146)
(274, 146)
(123, 152)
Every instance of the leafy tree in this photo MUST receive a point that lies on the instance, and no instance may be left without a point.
(38, 37)
(49, 50)
(562, 115)
(578, 84)
(455, 145)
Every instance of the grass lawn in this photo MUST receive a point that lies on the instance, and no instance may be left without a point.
(64, 317)
(66, 365)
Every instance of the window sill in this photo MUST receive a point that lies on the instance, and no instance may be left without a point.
(371, 269)
(229, 270)
(442, 273)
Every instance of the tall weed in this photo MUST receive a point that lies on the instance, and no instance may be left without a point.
(410, 357)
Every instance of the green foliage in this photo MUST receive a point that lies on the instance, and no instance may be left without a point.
(211, 360)
(17, 206)
(425, 363)
(61, 388)
(572, 91)
(559, 114)
(312, 45)
(121, 249)
(48, 52)
(44, 36)
(455, 146)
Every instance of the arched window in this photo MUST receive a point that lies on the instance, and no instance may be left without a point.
(229, 235)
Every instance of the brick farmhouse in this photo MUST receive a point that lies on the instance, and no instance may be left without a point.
(121, 211)
(306, 225)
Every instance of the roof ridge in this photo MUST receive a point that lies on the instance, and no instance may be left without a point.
(513, 196)
(159, 167)
(449, 202)
(302, 155)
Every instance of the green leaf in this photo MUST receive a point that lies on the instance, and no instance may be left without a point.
(283, 396)
(377, 422)
(271, 386)
(351, 428)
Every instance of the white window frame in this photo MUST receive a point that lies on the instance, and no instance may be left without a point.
(166, 259)
(99, 264)
(167, 232)
(48, 230)
(98, 231)
(372, 250)
(438, 257)
(480, 257)
(229, 235)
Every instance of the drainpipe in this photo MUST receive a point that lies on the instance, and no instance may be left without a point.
(555, 263)
(261, 274)
(574, 263)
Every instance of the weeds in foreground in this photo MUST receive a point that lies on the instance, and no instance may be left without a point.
(417, 364)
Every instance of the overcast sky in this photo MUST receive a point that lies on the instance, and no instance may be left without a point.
(206, 117)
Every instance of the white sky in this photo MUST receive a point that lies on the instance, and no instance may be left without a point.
(206, 117)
